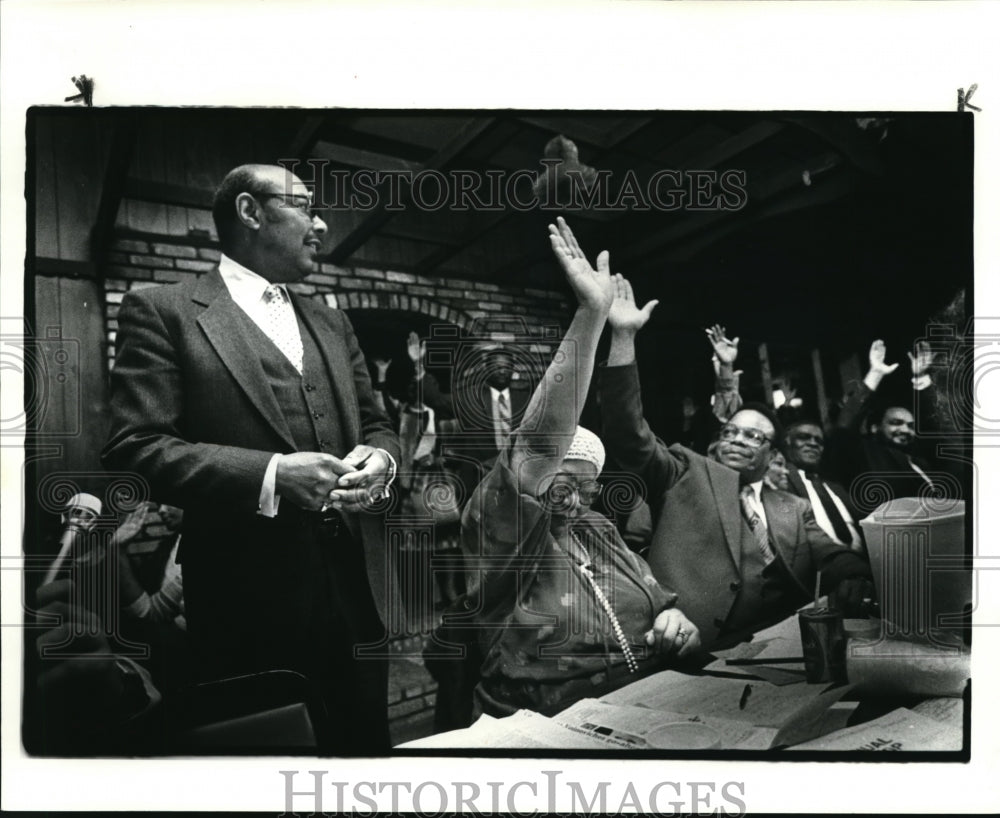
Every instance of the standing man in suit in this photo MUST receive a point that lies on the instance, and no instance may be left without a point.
(742, 556)
(252, 410)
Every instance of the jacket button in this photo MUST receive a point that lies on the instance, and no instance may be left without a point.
(309, 387)
(317, 415)
(735, 586)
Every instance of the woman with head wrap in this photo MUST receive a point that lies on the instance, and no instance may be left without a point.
(564, 609)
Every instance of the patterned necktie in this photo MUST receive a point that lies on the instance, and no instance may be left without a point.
(756, 524)
(832, 512)
(281, 327)
(502, 424)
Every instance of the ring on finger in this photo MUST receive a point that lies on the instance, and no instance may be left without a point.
(682, 636)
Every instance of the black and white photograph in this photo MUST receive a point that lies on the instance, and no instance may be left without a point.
(443, 456)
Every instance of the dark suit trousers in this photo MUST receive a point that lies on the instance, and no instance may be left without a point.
(317, 607)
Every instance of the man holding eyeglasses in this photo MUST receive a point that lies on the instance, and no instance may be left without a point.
(251, 408)
(741, 555)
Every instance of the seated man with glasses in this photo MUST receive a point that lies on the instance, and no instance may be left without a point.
(741, 555)
(564, 609)
(835, 513)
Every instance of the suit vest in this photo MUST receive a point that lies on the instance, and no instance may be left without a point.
(307, 401)
(764, 589)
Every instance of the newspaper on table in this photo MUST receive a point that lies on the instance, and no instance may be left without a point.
(632, 726)
(593, 724)
(797, 711)
(524, 730)
(902, 729)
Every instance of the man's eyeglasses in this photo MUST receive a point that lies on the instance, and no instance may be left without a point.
(806, 437)
(560, 492)
(754, 437)
(298, 201)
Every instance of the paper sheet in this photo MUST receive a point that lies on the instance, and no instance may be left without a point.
(901, 729)
(634, 724)
(750, 701)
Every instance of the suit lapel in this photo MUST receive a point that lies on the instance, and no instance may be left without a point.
(797, 481)
(333, 347)
(726, 488)
(782, 528)
(222, 321)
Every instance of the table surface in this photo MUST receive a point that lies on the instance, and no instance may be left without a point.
(901, 696)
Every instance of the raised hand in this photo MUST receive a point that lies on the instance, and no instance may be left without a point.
(725, 350)
(876, 359)
(381, 367)
(593, 288)
(923, 360)
(415, 348)
(625, 314)
(131, 525)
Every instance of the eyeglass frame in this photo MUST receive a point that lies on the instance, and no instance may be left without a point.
(310, 209)
(805, 437)
(582, 490)
(747, 433)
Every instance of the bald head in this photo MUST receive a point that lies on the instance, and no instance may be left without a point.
(263, 215)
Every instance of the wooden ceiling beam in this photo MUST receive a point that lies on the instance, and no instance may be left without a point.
(829, 191)
(305, 138)
(360, 158)
(377, 219)
(733, 146)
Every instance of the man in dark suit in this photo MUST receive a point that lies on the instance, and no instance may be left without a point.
(741, 556)
(890, 461)
(831, 504)
(251, 409)
(489, 403)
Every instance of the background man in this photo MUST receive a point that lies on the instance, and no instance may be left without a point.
(489, 403)
(252, 410)
(831, 504)
(889, 460)
(740, 555)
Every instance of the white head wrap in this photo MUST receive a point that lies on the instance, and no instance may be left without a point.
(88, 501)
(586, 446)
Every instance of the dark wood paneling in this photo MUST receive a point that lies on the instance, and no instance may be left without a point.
(73, 406)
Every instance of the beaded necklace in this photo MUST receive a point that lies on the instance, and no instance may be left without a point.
(616, 626)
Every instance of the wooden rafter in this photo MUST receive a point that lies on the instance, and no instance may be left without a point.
(378, 218)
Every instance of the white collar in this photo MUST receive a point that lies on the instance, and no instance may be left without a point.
(496, 393)
(244, 284)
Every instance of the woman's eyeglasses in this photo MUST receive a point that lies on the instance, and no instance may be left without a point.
(561, 491)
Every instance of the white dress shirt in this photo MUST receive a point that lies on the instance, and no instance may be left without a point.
(823, 520)
(495, 399)
(247, 288)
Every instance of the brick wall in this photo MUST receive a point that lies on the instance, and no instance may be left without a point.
(137, 262)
